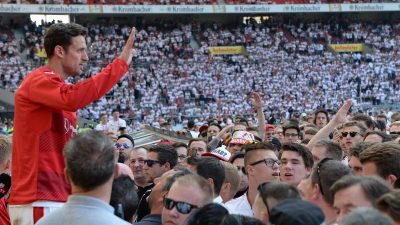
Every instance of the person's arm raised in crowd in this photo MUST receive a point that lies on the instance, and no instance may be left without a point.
(260, 114)
(51, 91)
(213, 144)
(340, 117)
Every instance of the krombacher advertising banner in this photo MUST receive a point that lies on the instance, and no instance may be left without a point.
(227, 50)
(348, 47)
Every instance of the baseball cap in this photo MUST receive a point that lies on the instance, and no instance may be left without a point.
(165, 142)
(269, 127)
(242, 137)
(203, 128)
(295, 211)
(220, 153)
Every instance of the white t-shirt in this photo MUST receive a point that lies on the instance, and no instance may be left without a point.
(102, 127)
(115, 125)
(240, 206)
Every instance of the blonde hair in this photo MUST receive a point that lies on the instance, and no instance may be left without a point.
(232, 177)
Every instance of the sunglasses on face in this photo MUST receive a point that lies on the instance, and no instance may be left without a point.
(351, 133)
(150, 162)
(396, 133)
(124, 145)
(269, 162)
(181, 207)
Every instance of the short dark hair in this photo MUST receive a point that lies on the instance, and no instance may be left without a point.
(124, 192)
(395, 117)
(333, 149)
(214, 124)
(382, 116)
(386, 157)
(385, 137)
(89, 159)
(210, 167)
(311, 131)
(179, 144)
(190, 124)
(236, 155)
(320, 111)
(358, 148)
(213, 214)
(165, 154)
(250, 148)
(210, 214)
(373, 187)
(302, 150)
(291, 126)
(278, 191)
(366, 216)
(379, 124)
(193, 153)
(364, 118)
(326, 175)
(196, 139)
(62, 34)
(390, 204)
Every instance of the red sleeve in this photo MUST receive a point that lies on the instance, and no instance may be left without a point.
(4, 216)
(51, 91)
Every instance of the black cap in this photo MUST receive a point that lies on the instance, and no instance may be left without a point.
(128, 137)
(296, 212)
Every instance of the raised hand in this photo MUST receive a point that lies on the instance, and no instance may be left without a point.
(341, 115)
(128, 51)
(256, 100)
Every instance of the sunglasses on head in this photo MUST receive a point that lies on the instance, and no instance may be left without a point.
(351, 133)
(181, 207)
(150, 162)
(124, 145)
(318, 168)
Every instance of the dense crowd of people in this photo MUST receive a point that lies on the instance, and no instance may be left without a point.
(290, 65)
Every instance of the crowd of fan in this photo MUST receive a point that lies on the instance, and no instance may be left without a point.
(342, 170)
(288, 64)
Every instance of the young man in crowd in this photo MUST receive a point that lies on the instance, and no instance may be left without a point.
(160, 159)
(296, 163)
(382, 160)
(261, 165)
(352, 192)
(316, 187)
(187, 193)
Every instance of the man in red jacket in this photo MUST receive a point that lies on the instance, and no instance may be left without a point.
(45, 119)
